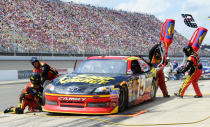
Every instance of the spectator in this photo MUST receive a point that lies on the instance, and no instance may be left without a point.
(42, 26)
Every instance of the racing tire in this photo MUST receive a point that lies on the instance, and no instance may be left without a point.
(45, 84)
(153, 90)
(123, 98)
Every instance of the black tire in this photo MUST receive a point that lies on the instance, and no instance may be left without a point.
(123, 98)
(45, 84)
(153, 90)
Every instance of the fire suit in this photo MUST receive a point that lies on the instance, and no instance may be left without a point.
(31, 97)
(195, 70)
(46, 72)
(160, 76)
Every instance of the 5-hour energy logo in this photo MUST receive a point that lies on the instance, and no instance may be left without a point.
(86, 79)
(201, 38)
(171, 30)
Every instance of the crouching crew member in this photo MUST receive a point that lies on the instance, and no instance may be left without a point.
(194, 67)
(30, 96)
(46, 71)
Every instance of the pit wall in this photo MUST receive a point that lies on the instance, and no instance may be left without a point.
(10, 75)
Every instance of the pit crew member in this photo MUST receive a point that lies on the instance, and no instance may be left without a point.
(30, 96)
(194, 67)
(155, 60)
(46, 71)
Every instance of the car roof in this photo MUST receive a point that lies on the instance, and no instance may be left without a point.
(115, 57)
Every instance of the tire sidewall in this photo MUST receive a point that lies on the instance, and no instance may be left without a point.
(123, 96)
(153, 90)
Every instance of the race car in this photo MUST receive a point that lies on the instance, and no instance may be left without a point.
(102, 85)
(205, 69)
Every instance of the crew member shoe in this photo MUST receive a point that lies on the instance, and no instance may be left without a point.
(176, 94)
(38, 109)
(8, 110)
(196, 96)
(166, 96)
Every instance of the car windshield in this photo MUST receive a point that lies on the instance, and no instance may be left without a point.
(102, 66)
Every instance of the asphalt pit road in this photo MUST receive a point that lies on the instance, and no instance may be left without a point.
(4, 116)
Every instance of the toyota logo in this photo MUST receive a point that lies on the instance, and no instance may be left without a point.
(73, 88)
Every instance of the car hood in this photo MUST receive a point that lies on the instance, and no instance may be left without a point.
(85, 83)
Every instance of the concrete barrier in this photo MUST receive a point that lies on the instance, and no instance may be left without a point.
(8, 75)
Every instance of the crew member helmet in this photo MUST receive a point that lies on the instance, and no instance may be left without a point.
(188, 50)
(35, 78)
(33, 60)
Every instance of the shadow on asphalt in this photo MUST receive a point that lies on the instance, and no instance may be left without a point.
(99, 120)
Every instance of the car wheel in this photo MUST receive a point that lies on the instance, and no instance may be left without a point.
(123, 98)
(45, 84)
(153, 90)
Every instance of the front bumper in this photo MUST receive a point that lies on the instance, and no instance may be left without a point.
(80, 104)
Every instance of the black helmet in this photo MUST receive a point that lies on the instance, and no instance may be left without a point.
(188, 50)
(35, 78)
(157, 51)
(33, 60)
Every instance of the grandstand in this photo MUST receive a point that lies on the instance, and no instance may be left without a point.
(55, 27)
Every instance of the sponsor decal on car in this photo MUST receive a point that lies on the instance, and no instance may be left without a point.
(73, 88)
(71, 99)
(113, 104)
(142, 83)
(115, 93)
(86, 79)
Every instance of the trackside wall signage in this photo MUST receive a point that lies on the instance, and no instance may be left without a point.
(24, 74)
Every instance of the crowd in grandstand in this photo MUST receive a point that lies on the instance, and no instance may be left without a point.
(43, 26)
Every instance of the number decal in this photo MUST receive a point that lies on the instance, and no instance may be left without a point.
(189, 21)
(142, 82)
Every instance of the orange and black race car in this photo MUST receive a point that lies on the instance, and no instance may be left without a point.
(102, 85)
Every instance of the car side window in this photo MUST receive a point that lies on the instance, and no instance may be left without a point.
(144, 66)
(135, 68)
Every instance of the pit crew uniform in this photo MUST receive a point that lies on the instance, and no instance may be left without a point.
(155, 61)
(195, 70)
(30, 96)
(46, 71)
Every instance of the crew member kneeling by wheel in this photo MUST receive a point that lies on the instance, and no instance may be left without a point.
(31, 96)
(195, 70)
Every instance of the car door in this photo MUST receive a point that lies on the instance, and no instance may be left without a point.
(145, 68)
(138, 82)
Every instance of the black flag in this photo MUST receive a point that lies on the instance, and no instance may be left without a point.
(189, 21)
